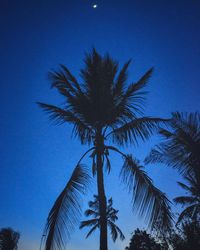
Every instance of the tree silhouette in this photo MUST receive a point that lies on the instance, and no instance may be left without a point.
(181, 146)
(111, 215)
(191, 202)
(8, 239)
(142, 240)
(181, 150)
(103, 108)
(187, 238)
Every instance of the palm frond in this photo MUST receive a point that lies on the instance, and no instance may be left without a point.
(90, 212)
(184, 200)
(157, 155)
(71, 78)
(94, 164)
(92, 230)
(66, 210)
(64, 81)
(88, 223)
(131, 132)
(108, 164)
(121, 80)
(135, 87)
(184, 186)
(147, 200)
(114, 230)
(189, 212)
(180, 149)
(59, 115)
(133, 98)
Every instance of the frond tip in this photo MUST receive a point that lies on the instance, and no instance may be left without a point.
(148, 200)
(140, 128)
(66, 210)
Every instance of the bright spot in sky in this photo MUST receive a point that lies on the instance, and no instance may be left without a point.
(94, 6)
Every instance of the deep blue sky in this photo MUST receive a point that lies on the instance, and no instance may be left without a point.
(37, 157)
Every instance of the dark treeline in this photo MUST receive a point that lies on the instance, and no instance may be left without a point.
(184, 238)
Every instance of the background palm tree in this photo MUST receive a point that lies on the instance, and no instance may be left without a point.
(8, 239)
(191, 202)
(181, 150)
(111, 215)
(181, 146)
(104, 109)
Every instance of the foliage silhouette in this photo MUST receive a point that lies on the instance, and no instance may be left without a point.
(142, 240)
(111, 215)
(104, 108)
(181, 150)
(187, 238)
(8, 239)
(191, 201)
(66, 209)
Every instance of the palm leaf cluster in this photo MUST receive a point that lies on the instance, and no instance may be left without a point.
(181, 146)
(181, 150)
(103, 99)
(66, 210)
(8, 239)
(149, 201)
(104, 108)
(191, 201)
(94, 223)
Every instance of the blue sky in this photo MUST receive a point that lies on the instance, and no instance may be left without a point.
(37, 157)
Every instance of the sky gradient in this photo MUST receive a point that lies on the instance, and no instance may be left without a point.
(37, 157)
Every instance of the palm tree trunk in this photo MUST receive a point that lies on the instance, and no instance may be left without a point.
(101, 194)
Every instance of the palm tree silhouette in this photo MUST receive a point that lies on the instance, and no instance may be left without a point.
(8, 239)
(181, 146)
(181, 150)
(111, 215)
(103, 109)
(191, 201)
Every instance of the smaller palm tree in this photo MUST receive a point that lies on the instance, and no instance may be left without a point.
(191, 201)
(8, 239)
(94, 223)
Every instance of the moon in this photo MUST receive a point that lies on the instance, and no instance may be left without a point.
(94, 6)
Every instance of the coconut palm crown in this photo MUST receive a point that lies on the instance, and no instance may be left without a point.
(104, 110)
(94, 223)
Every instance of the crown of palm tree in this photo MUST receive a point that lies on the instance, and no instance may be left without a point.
(111, 215)
(8, 239)
(104, 99)
(104, 108)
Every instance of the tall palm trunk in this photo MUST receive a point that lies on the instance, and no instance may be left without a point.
(101, 192)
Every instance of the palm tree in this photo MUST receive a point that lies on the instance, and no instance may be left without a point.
(181, 150)
(111, 215)
(181, 146)
(103, 108)
(8, 239)
(191, 202)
